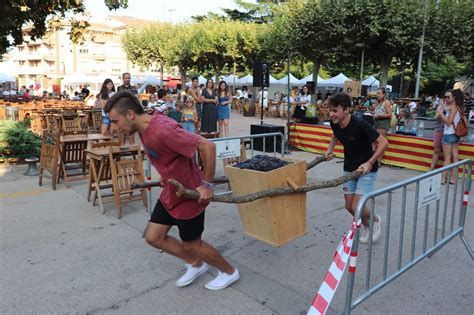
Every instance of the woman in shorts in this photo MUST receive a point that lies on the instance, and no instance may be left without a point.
(382, 114)
(454, 103)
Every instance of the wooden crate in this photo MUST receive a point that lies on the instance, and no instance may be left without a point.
(274, 220)
(353, 88)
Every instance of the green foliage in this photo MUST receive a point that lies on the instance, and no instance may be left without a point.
(15, 14)
(17, 141)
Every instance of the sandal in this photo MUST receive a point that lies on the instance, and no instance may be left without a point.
(443, 182)
(452, 183)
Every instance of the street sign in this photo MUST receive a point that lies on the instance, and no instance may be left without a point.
(227, 149)
(430, 190)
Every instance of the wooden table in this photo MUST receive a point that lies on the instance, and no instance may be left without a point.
(100, 175)
(82, 137)
(72, 150)
(98, 158)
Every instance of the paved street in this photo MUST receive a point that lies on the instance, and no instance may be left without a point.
(59, 254)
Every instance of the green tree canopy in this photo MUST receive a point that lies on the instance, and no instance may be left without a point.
(15, 14)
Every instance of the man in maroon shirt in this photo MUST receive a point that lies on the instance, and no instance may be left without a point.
(172, 151)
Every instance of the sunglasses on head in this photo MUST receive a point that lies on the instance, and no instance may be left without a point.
(447, 96)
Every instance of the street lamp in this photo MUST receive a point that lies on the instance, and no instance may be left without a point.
(403, 65)
(361, 46)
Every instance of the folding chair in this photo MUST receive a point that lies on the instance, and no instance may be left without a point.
(126, 165)
(49, 159)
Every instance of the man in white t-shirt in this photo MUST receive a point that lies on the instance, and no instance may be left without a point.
(412, 107)
(265, 98)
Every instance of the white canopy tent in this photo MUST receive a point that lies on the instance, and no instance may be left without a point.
(247, 80)
(284, 80)
(230, 79)
(373, 84)
(336, 81)
(310, 78)
(151, 80)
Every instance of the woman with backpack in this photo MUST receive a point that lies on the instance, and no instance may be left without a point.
(450, 116)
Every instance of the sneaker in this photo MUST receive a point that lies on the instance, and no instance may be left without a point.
(364, 234)
(377, 232)
(191, 274)
(223, 280)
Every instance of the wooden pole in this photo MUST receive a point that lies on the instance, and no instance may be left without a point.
(223, 179)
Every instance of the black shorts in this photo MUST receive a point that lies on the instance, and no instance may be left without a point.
(189, 230)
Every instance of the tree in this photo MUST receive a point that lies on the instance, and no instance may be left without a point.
(177, 49)
(147, 46)
(15, 14)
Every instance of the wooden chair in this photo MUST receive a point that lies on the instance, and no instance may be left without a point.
(72, 157)
(104, 173)
(71, 123)
(96, 121)
(126, 165)
(49, 159)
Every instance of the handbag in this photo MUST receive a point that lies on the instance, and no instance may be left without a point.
(393, 120)
(461, 129)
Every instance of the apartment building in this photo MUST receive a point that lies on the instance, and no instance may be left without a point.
(54, 62)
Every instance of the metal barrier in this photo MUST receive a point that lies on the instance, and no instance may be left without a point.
(251, 138)
(450, 204)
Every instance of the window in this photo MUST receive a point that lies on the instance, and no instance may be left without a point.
(22, 62)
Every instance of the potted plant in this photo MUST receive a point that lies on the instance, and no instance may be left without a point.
(17, 142)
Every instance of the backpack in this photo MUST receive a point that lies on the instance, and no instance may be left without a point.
(461, 129)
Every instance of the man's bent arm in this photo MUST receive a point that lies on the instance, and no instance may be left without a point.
(207, 151)
(382, 145)
(332, 145)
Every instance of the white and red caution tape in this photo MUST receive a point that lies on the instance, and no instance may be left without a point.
(465, 198)
(149, 180)
(334, 275)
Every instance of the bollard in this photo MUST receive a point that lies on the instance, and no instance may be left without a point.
(32, 169)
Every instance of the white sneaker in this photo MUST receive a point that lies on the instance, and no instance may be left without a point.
(191, 274)
(364, 234)
(223, 280)
(376, 233)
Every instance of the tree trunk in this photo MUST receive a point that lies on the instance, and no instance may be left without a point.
(223, 179)
(182, 72)
(161, 75)
(218, 73)
(193, 194)
(385, 63)
(316, 67)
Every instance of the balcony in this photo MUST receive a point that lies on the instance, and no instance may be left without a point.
(34, 56)
(49, 57)
(30, 71)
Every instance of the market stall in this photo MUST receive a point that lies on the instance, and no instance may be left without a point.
(405, 151)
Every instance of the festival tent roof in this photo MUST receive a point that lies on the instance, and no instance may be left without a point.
(371, 81)
(230, 79)
(310, 78)
(151, 79)
(284, 80)
(248, 79)
(6, 78)
(273, 80)
(338, 80)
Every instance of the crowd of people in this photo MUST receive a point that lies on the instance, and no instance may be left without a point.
(198, 109)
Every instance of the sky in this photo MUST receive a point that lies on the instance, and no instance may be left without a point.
(162, 10)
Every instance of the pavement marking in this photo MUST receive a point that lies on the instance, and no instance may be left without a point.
(25, 193)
